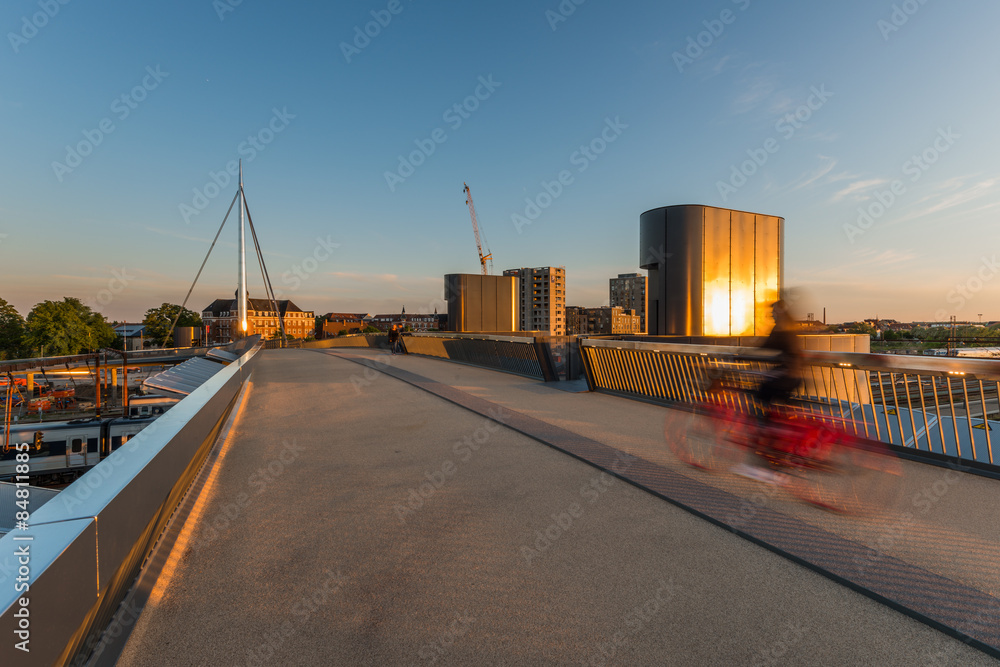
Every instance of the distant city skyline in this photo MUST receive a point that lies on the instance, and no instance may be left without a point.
(869, 127)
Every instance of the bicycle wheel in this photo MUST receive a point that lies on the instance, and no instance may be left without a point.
(857, 477)
(709, 442)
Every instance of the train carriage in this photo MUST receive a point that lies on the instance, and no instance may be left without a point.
(62, 451)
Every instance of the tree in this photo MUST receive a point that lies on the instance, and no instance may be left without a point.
(861, 328)
(158, 321)
(64, 327)
(11, 331)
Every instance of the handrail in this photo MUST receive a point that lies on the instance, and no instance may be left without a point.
(85, 547)
(940, 405)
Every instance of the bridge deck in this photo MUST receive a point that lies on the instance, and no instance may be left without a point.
(315, 545)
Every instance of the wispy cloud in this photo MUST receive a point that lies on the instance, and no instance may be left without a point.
(756, 91)
(951, 194)
(855, 188)
(806, 179)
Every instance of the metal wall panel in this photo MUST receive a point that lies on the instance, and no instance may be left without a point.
(742, 296)
(681, 280)
(717, 273)
(454, 289)
(767, 257)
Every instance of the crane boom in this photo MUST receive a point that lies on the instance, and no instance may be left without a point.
(488, 257)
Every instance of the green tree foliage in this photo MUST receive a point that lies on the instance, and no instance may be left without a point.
(65, 327)
(11, 331)
(861, 328)
(158, 321)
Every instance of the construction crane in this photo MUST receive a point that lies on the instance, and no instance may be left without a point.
(488, 257)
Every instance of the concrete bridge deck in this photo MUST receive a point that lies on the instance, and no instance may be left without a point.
(362, 515)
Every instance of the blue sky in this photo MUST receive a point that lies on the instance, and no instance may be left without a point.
(873, 84)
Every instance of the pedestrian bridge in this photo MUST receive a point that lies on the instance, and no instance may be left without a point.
(362, 508)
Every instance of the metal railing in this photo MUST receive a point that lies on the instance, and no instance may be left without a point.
(947, 406)
(86, 546)
(379, 340)
(513, 354)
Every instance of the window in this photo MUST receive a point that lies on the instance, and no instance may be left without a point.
(76, 445)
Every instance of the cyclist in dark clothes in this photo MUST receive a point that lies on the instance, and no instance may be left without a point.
(786, 376)
(781, 383)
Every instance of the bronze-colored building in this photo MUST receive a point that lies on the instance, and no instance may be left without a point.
(712, 271)
(481, 303)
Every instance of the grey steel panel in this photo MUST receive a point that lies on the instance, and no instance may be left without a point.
(63, 564)
(652, 237)
(454, 293)
(682, 278)
(222, 355)
(37, 496)
(184, 378)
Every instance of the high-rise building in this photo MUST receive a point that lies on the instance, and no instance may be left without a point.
(574, 320)
(603, 320)
(628, 291)
(541, 303)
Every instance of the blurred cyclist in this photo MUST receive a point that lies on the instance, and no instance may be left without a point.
(782, 381)
(786, 376)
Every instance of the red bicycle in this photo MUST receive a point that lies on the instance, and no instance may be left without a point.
(818, 458)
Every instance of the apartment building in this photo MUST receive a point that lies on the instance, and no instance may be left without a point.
(628, 291)
(541, 303)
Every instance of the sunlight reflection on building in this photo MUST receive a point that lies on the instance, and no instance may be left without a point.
(712, 271)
